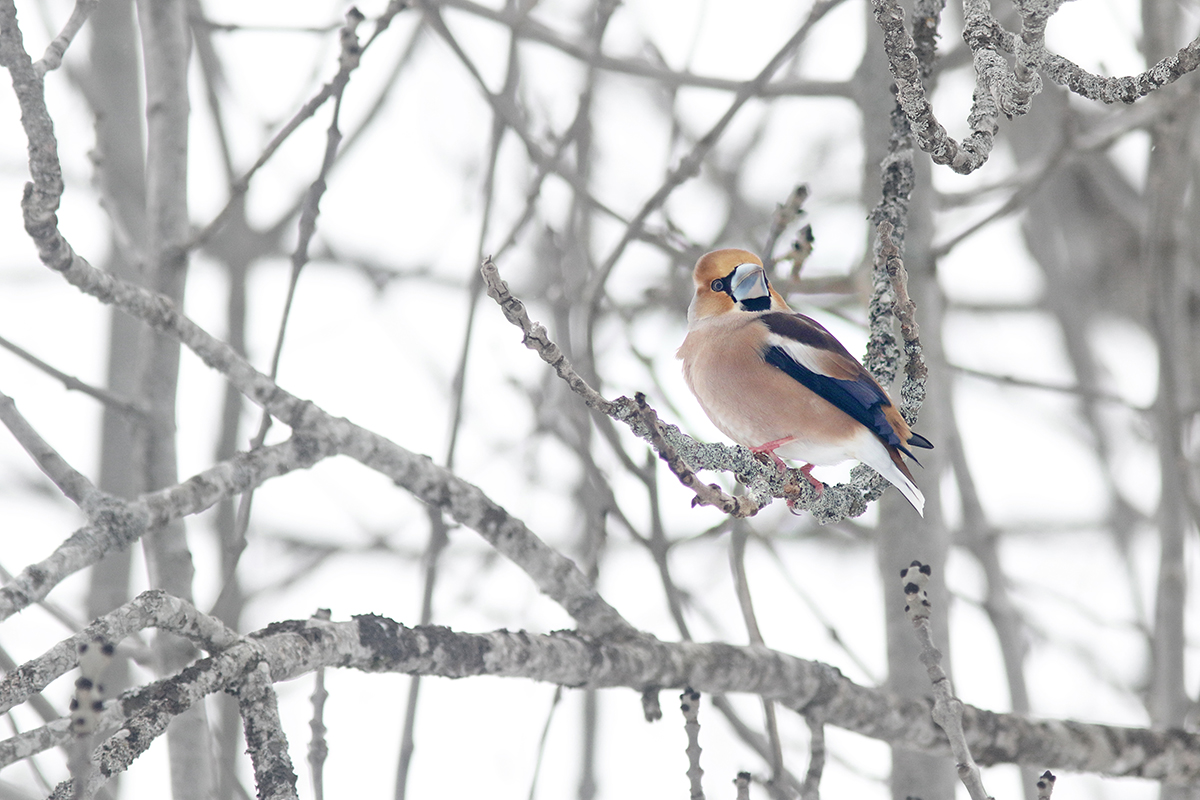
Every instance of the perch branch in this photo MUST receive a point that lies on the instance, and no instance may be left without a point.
(706, 494)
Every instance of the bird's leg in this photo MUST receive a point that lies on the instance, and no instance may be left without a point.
(769, 449)
(806, 471)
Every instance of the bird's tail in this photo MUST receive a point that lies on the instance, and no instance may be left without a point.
(898, 474)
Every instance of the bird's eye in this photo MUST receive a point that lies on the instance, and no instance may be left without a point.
(718, 285)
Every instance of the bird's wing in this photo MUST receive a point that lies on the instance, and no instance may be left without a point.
(811, 355)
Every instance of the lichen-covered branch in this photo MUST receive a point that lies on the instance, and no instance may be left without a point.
(998, 89)
(889, 289)
(319, 434)
(151, 609)
(1125, 89)
(274, 775)
(906, 69)
(706, 494)
(377, 644)
(912, 391)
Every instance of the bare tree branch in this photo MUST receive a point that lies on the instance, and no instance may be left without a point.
(73, 484)
(377, 644)
(114, 524)
(52, 58)
(947, 708)
(130, 407)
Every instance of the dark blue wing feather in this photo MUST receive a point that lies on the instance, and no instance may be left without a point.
(862, 399)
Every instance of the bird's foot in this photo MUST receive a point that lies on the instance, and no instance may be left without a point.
(769, 449)
(792, 489)
(806, 471)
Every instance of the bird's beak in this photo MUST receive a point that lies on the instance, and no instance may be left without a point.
(749, 282)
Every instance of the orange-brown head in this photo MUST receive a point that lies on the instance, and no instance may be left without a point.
(732, 280)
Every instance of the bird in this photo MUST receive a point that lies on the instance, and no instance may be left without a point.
(779, 383)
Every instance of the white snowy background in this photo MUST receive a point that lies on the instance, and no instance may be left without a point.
(408, 197)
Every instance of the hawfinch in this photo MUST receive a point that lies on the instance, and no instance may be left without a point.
(779, 383)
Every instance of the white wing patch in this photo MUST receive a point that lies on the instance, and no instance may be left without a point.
(813, 359)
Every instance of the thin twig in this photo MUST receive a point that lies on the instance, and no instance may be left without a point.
(72, 483)
(351, 54)
(770, 543)
(438, 530)
(689, 704)
(528, 28)
(544, 739)
(947, 709)
(785, 214)
(53, 56)
(131, 408)
(689, 166)
(1026, 383)
(737, 560)
(816, 759)
(318, 747)
(513, 117)
(742, 783)
(330, 90)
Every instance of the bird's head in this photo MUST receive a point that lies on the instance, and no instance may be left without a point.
(732, 280)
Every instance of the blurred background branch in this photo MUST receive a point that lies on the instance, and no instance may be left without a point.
(165, 154)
